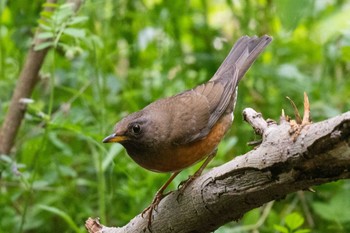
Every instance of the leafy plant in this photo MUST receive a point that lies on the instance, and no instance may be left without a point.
(336, 210)
(293, 222)
(107, 63)
(60, 27)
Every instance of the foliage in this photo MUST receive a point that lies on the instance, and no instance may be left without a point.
(293, 222)
(59, 25)
(115, 57)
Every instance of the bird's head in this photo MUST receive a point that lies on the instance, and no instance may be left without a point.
(130, 129)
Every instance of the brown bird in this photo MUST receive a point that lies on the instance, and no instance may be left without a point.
(174, 133)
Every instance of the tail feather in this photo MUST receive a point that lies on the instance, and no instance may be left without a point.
(242, 55)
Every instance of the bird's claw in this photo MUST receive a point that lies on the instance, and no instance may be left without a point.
(184, 184)
(153, 206)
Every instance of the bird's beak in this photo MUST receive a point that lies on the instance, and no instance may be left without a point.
(114, 138)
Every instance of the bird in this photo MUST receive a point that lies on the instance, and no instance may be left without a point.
(176, 132)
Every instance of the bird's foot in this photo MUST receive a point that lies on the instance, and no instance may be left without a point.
(153, 206)
(184, 184)
(157, 198)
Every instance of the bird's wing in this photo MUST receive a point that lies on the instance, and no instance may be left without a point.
(190, 113)
(196, 111)
(221, 90)
(220, 95)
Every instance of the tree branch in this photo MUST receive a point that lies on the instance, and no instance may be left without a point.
(283, 163)
(24, 87)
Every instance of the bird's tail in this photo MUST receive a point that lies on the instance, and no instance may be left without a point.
(242, 56)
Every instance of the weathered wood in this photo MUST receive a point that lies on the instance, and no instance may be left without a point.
(283, 163)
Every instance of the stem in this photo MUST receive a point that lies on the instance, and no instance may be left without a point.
(24, 88)
(29, 192)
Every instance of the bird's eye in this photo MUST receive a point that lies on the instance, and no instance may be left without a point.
(136, 129)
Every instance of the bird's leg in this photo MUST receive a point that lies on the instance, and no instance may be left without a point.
(184, 184)
(157, 198)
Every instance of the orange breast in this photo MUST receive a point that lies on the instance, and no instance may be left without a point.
(182, 156)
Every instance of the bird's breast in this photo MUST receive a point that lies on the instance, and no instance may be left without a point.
(171, 158)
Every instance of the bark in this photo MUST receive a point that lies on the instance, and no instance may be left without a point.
(291, 157)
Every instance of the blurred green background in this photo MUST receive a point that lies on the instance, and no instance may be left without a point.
(115, 57)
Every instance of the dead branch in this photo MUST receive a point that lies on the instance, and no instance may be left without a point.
(286, 161)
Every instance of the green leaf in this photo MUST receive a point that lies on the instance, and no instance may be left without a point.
(302, 231)
(294, 220)
(292, 11)
(112, 153)
(5, 16)
(78, 19)
(345, 51)
(40, 185)
(66, 6)
(49, 4)
(337, 209)
(281, 229)
(46, 14)
(63, 215)
(76, 33)
(6, 159)
(43, 45)
(252, 216)
(44, 25)
(45, 35)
